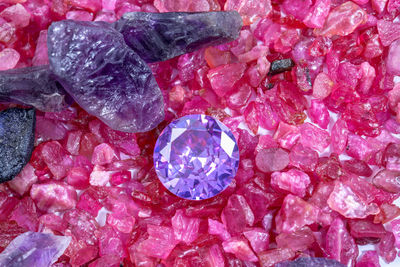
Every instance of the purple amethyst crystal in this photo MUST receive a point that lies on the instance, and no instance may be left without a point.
(161, 36)
(34, 249)
(311, 262)
(196, 157)
(104, 76)
(17, 136)
(33, 86)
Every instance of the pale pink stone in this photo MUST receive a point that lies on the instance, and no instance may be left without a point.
(56, 159)
(8, 59)
(379, 5)
(339, 136)
(109, 4)
(345, 201)
(394, 97)
(54, 196)
(293, 181)
(41, 57)
(240, 248)
(16, 14)
(103, 154)
(219, 229)
(99, 176)
(215, 256)
(388, 31)
(107, 16)
(24, 180)
(396, 231)
(319, 113)
(359, 148)
(318, 13)
(343, 20)
(314, 137)
(367, 77)
(53, 222)
(258, 238)
(160, 243)
(322, 86)
(266, 141)
(110, 243)
(73, 142)
(286, 135)
(186, 6)
(272, 159)
(393, 58)
(7, 31)
(186, 229)
(250, 10)
(294, 214)
(237, 214)
(92, 5)
(122, 223)
(79, 15)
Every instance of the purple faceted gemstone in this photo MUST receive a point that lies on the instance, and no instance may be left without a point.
(196, 157)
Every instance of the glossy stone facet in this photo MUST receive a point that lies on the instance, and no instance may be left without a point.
(196, 157)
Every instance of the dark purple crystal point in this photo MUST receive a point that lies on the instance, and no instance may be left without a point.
(311, 262)
(104, 76)
(33, 86)
(161, 36)
(196, 157)
(17, 136)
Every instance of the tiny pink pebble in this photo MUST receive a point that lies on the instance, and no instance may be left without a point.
(8, 59)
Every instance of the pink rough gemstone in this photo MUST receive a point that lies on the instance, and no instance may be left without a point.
(393, 58)
(339, 244)
(303, 157)
(345, 201)
(92, 5)
(41, 57)
(250, 10)
(219, 229)
(388, 31)
(17, 15)
(99, 176)
(298, 8)
(388, 180)
(216, 257)
(379, 5)
(318, 113)
(110, 243)
(120, 177)
(53, 196)
(294, 214)
(293, 181)
(258, 238)
(57, 159)
(88, 203)
(386, 247)
(237, 214)
(339, 136)
(367, 77)
(272, 159)
(271, 257)
(186, 229)
(396, 231)
(239, 97)
(121, 222)
(160, 243)
(391, 157)
(79, 15)
(366, 228)
(224, 77)
(299, 240)
(103, 154)
(318, 13)
(287, 135)
(53, 222)
(186, 6)
(25, 214)
(314, 137)
(240, 248)
(322, 86)
(369, 259)
(343, 20)
(78, 177)
(8, 59)
(24, 180)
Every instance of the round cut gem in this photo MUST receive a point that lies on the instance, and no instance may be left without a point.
(196, 157)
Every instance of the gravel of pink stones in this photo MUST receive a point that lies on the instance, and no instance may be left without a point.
(320, 151)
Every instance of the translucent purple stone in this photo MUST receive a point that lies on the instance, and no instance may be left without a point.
(34, 249)
(161, 36)
(196, 157)
(310, 262)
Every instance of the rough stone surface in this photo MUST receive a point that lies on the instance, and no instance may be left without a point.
(34, 249)
(17, 133)
(33, 86)
(105, 77)
(161, 36)
(196, 157)
(311, 262)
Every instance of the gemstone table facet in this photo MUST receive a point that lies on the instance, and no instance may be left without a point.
(196, 157)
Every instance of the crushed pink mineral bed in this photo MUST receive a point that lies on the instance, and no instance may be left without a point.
(319, 143)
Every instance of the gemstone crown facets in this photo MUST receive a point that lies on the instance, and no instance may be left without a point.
(196, 157)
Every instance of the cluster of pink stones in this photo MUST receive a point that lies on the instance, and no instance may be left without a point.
(319, 145)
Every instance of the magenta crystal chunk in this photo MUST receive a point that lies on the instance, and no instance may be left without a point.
(196, 157)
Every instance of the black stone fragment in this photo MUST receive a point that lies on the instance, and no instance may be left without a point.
(33, 86)
(279, 66)
(161, 36)
(17, 135)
